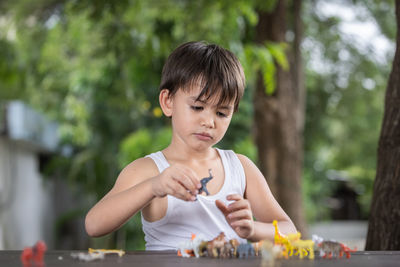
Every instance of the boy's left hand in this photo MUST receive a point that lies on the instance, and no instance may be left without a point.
(238, 214)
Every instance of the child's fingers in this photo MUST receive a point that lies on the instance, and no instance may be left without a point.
(193, 176)
(248, 224)
(177, 190)
(187, 183)
(234, 197)
(239, 205)
(192, 181)
(240, 215)
(222, 207)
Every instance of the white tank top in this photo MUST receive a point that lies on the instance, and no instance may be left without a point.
(184, 218)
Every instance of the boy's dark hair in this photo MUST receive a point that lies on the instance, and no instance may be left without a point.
(216, 69)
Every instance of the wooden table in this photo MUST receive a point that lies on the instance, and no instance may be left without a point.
(10, 258)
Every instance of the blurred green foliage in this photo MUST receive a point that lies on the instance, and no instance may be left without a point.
(94, 66)
(345, 81)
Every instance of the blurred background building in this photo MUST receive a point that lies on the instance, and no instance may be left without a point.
(29, 202)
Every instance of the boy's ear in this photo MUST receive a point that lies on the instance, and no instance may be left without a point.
(166, 102)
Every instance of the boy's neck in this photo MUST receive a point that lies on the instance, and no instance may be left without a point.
(186, 155)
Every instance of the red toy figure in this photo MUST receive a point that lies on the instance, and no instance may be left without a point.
(39, 249)
(26, 256)
(35, 254)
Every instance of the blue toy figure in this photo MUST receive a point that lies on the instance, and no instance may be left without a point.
(244, 250)
(204, 182)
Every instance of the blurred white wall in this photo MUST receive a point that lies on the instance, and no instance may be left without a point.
(33, 207)
(26, 199)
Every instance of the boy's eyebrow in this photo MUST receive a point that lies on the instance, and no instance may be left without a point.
(194, 99)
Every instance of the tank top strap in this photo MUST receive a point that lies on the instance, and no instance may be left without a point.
(235, 171)
(159, 160)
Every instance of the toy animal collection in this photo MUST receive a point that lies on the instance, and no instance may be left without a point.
(34, 254)
(284, 246)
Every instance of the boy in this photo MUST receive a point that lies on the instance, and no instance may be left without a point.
(200, 89)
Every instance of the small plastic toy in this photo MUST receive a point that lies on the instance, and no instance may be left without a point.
(244, 250)
(228, 250)
(204, 182)
(96, 254)
(87, 256)
(257, 247)
(304, 248)
(191, 247)
(27, 256)
(34, 254)
(269, 252)
(332, 248)
(215, 246)
(292, 244)
(107, 251)
(281, 240)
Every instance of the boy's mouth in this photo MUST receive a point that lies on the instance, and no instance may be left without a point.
(203, 136)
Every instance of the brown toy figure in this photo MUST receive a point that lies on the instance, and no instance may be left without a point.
(257, 247)
(203, 249)
(227, 251)
(235, 244)
(215, 246)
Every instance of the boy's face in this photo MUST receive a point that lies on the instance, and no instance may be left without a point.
(199, 124)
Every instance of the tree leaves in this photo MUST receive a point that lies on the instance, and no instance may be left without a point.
(264, 59)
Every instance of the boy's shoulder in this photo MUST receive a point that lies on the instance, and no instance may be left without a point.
(230, 151)
(246, 162)
(241, 157)
(142, 167)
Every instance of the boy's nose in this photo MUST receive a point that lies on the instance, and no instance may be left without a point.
(208, 122)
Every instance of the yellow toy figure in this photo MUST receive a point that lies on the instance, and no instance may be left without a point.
(304, 248)
(282, 240)
(293, 242)
(292, 238)
(107, 251)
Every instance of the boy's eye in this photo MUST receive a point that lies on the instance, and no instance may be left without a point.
(196, 108)
(220, 114)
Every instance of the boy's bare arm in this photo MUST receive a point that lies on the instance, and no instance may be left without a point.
(136, 187)
(263, 205)
(132, 191)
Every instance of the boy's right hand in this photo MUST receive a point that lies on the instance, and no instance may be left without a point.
(177, 180)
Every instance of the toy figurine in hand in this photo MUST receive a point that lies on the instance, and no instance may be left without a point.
(204, 182)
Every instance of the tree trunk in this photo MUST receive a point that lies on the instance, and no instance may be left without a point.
(384, 230)
(279, 118)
